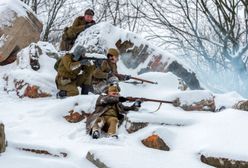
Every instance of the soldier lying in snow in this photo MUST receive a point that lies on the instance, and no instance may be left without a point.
(108, 112)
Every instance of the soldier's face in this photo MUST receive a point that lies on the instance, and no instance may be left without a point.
(113, 93)
(113, 59)
(88, 18)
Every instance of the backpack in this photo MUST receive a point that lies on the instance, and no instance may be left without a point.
(56, 65)
(68, 34)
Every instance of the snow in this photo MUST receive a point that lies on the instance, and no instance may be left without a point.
(39, 123)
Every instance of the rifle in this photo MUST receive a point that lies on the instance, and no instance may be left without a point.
(142, 99)
(97, 61)
(135, 78)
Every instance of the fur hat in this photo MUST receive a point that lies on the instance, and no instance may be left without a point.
(89, 12)
(113, 88)
(78, 52)
(114, 52)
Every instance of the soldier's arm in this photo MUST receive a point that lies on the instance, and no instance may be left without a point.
(77, 28)
(109, 100)
(69, 65)
(102, 71)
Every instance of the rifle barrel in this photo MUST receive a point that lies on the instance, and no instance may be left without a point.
(145, 99)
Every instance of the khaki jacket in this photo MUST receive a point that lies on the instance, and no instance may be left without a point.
(103, 104)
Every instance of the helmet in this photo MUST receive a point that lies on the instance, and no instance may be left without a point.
(89, 12)
(78, 52)
(113, 51)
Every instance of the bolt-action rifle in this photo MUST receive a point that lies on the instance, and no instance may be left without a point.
(135, 78)
(142, 99)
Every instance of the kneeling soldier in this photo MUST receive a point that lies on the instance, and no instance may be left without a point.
(108, 112)
(69, 77)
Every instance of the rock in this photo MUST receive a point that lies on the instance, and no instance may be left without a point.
(23, 89)
(30, 56)
(74, 117)
(241, 105)
(44, 152)
(134, 51)
(3, 142)
(132, 127)
(224, 162)
(97, 162)
(135, 55)
(203, 105)
(18, 28)
(197, 100)
(35, 92)
(155, 142)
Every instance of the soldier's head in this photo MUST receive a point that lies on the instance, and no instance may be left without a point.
(113, 55)
(78, 53)
(88, 15)
(113, 90)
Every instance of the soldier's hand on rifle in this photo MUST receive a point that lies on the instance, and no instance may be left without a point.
(127, 77)
(110, 74)
(122, 99)
(85, 62)
(137, 103)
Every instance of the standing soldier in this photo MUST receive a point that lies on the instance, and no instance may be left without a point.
(105, 74)
(80, 24)
(108, 113)
(69, 78)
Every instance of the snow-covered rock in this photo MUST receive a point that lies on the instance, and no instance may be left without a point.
(18, 28)
(136, 52)
(33, 76)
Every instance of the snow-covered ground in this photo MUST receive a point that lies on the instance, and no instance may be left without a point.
(39, 124)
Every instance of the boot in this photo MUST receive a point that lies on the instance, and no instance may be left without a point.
(95, 134)
(61, 94)
(85, 89)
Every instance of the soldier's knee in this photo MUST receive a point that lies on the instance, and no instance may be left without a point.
(72, 92)
(113, 120)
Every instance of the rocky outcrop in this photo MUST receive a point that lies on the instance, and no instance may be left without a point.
(17, 30)
(224, 162)
(155, 142)
(3, 143)
(133, 55)
(241, 105)
(44, 152)
(23, 89)
(96, 161)
(134, 51)
(74, 117)
(132, 127)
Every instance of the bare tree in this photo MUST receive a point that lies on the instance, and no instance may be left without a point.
(212, 34)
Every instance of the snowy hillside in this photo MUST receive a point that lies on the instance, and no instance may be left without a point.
(39, 124)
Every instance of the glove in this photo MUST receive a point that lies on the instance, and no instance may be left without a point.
(84, 62)
(110, 74)
(127, 77)
(122, 99)
(137, 103)
(88, 25)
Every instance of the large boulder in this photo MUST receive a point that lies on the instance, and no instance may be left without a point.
(18, 28)
(136, 52)
(34, 75)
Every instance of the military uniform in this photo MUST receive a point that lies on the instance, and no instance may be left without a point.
(70, 33)
(102, 74)
(108, 112)
(69, 77)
